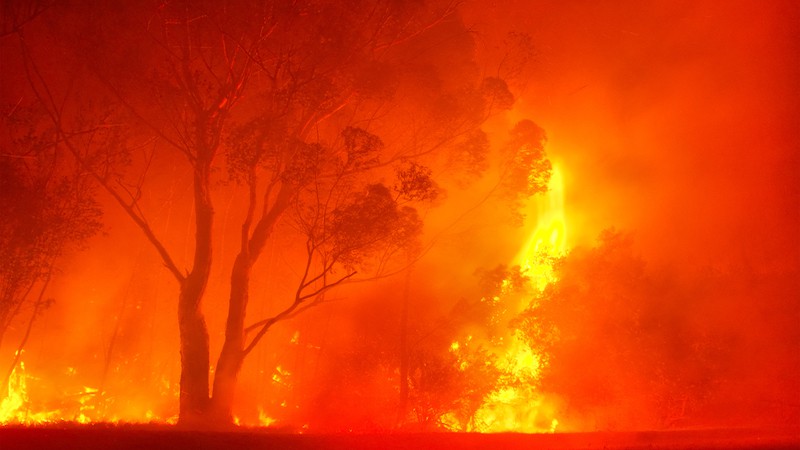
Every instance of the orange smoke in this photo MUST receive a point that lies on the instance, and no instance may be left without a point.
(675, 121)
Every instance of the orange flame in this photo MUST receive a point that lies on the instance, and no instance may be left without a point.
(84, 405)
(15, 408)
(515, 405)
(549, 238)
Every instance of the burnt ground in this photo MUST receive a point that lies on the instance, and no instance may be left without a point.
(154, 437)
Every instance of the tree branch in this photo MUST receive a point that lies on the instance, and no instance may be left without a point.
(295, 308)
(18, 353)
(32, 72)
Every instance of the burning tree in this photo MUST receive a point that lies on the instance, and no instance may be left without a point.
(621, 350)
(324, 113)
(464, 368)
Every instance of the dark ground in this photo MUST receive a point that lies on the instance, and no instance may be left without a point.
(153, 437)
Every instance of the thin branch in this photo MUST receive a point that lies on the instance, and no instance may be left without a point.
(182, 148)
(327, 287)
(289, 312)
(33, 73)
(21, 302)
(35, 9)
(448, 11)
(251, 207)
(39, 302)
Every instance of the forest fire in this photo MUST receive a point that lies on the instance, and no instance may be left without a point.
(549, 239)
(18, 408)
(14, 407)
(515, 403)
(27, 402)
(326, 218)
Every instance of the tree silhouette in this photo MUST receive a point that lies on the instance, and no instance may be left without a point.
(324, 113)
(48, 208)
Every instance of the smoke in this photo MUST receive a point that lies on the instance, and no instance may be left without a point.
(676, 122)
(672, 121)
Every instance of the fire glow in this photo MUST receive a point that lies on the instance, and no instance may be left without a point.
(514, 405)
(27, 403)
(321, 217)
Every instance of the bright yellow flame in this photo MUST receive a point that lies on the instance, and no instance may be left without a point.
(263, 419)
(15, 408)
(515, 404)
(549, 238)
(87, 405)
(15, 400)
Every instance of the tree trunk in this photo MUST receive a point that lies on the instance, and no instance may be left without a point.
(404, 356)
(194, 342)
(232, 355)
(194, 355)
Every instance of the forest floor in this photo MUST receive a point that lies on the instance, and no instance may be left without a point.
(91, 437)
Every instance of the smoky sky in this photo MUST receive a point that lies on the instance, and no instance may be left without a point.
(676, 120)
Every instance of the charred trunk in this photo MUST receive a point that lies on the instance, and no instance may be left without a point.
(232, 355)
(234, 349)
(194, 355)
(194, 341)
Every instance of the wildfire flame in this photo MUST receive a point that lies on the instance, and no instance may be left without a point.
(515, 404)
(16, 407)
(549, 238)
(82, 405)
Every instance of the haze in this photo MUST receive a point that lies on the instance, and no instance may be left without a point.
(673, 123)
